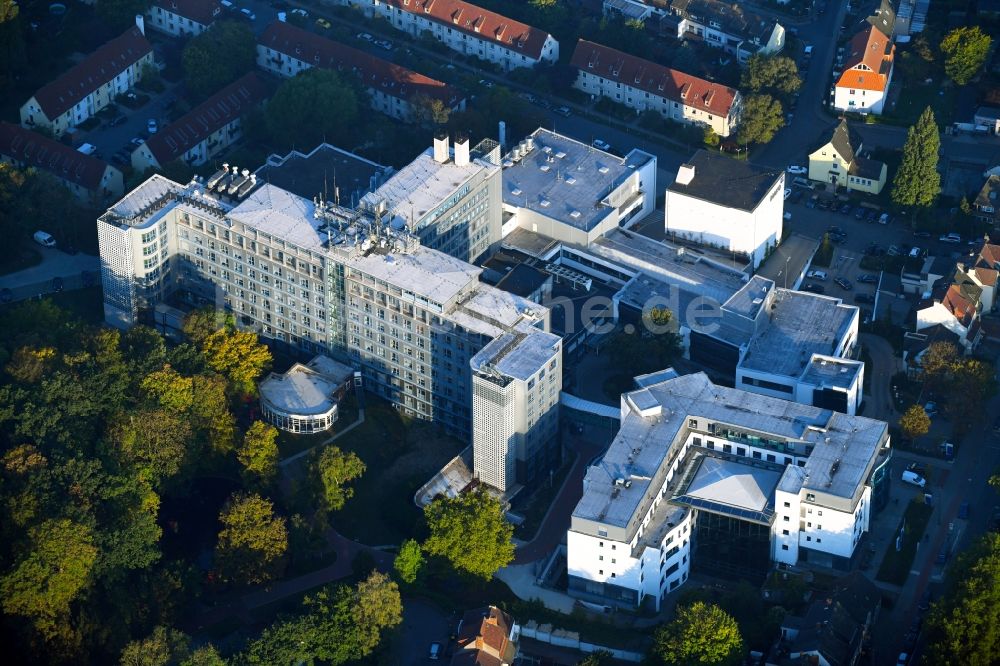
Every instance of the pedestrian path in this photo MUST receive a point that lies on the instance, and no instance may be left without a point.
(302, 454)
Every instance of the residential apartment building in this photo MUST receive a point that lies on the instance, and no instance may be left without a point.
(864, 84)
(183, 18)
(91, 180)
(516, 380)
(726, 26)
(841, 163)
(646, 86)
(448, 197)
(701, 477)
(205, 131)
(573, 192)
(467, 29)
(728, 204)
(91, 84)
(285, 50)
(785, 344)
(311, 277)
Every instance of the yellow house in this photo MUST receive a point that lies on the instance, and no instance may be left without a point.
(840, 162)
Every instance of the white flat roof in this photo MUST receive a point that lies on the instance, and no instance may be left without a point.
(299, 391)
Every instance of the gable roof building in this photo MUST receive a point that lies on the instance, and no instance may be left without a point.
(486, 637)
(883, 18)
(206, 130)
(728, 26)
(286, 50)
(864, 83)
(841, 162)
(90, 85)
(647, 86)
(468, 29)
(181, 18)
(89, 178)
(987, 207)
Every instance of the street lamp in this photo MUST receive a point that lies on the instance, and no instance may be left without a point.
(787, 259)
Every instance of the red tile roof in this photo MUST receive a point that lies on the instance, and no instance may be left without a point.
(483, 638)
(374, 72)
(653, 78)
(200, 11)
(216, 112)
(32, 149)
(101, 66)
(869, 62)
(479, 23)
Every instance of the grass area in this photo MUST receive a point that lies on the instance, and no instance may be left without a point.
(26, 257)
(895, 567)
(401, 455)
(534, 506)
(289, 443)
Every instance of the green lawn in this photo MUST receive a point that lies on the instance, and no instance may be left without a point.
(401, 455)
(895, 567)
(289, 443)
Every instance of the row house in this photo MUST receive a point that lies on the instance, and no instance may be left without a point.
(90, 85)
(467, 29)
(183, 18)
(286, 50)
(647, 86)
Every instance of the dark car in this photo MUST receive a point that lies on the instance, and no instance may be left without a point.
(811, 203)
(871, 216)
(845, 209)
(813, 288)
(117, 120)
(859, 213)
(925, 601)
(839, 239)
(57, 284)
(864, 298)
(835, 230)
(843, 284)
(867, 278)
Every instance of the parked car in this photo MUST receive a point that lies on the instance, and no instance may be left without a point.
(117, 120)
(486, 83)
(950, 238)
(300, 12)
(816, 275)
(788, 193)
(365, 36)
(871, 216)
(916, 252)
(867, 299)
(797, 170)
(843, 284)
(152, 126)
(867, 278)
(812, 202)
(845, 209)
(323, 23)
(931, 408)
(913, 479)
(601, 145)
(859, 213)
(44, 239)
(562, 111)
(248, 14)
(385, 44)
(835, 230)
(813, 288)
(884, 218)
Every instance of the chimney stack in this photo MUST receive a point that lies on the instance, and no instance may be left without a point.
(462, 150)
(685, 174)
(140, 22)
(441, 148)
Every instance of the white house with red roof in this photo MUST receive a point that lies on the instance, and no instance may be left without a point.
(648, 86)
(864, 84)
(183, 18)
(286, 50)
(91, 84)
(91, 180)
(467, 29)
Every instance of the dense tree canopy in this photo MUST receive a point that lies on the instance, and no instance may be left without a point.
(314, 106)
(252, 541)
(651, 347)
(336, 469)
(119, 14)
(409, 561)
(217, 57)
(915, 422)
(968, 381)
(774, 74)
(471, 532)
(965, 51)
(917, 182)
(259, 452)
(761, 119)
(700, 635)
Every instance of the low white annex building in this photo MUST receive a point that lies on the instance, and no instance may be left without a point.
(701, 477)
(467, 29)
(305, 398)
(725, 203)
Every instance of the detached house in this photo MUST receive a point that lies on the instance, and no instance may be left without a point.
(840, 162)
(486, 637)
(90, 85)
(90, 179)
(183, 18)
(864, 84)
(726, 26)
(286, 50)
(647, 86)
(986, 201)
(467, 29)
(206, 130)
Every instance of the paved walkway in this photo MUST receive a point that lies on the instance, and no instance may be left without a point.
(884, 364)
(520, 578)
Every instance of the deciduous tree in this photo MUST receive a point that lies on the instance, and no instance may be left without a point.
(314, 106)
(761, 119)
(771, 74)
(155, 440)
(409, 561)
(217, 57)
(701, 634)
(430, 111)
(965, 51)
(917, 182)
(471, 532)
(252, 541)
(335, 469)
(237, 355)
(259, 452)
(915, 422)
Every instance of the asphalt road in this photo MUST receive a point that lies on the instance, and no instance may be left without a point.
(423, 624)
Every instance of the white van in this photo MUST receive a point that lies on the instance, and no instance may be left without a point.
(914, 479)
(87, 149)
(44, 239)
